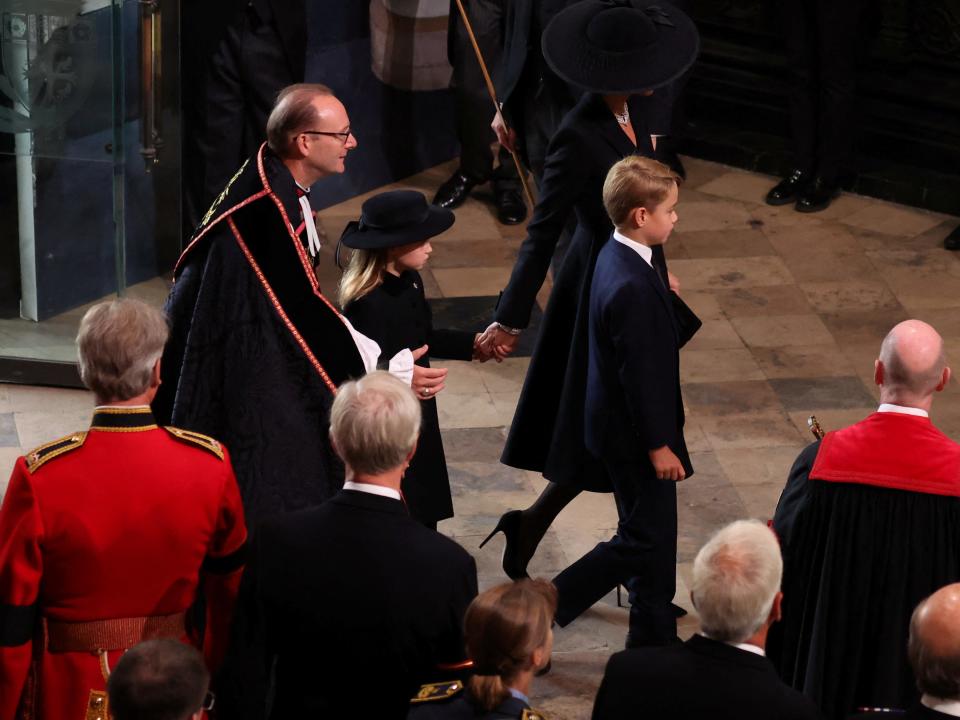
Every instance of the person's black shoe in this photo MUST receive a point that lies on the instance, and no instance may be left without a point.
(516, 550)
(454, 191)
(787, 190)
(511, 209)
(952, 241)
(817, 196)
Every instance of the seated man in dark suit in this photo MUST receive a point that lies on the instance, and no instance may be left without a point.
(351, 605)
(869, 523)
(720, 672)
(633, 414)
(934, 651)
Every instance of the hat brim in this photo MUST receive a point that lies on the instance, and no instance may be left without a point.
(577, 63)
(438, 220)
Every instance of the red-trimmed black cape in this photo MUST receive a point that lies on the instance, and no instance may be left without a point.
(869, 524)
(256, 350)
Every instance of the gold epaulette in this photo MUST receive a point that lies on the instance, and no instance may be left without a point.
(531, 714)
(38, 456)
(204, 441)
(437, 691)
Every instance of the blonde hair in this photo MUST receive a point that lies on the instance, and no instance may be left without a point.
(374, 423)
(364, 272)
(292, 113)
(736, 576)
(635, 182)
(502, 628)
(118, 344)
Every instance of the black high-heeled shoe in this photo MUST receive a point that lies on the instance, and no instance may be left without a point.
(514, 565)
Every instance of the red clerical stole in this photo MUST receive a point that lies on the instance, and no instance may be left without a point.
(891, 450)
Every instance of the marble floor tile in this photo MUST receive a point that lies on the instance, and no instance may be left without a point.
(732, 243)
(731, 273)
(714, 334)
(707, 215)
(719, 399)
(834, 295)
(772, 300)
(30, 398)
(893, 219)
(504, 377)
(8, 432)
(37, 427)
(802, 361)
(822, 252)
(829, 419)
(467, 410)
(489, 252)
(473, 444)
(750, 430)
(782, 330)
(862, 327)
(932, 239)
(823, 393)
(749, 467)
(739, 185)
(704, 304)
(775, 218)
(472, 281)
(718, 365)
(700, 172)
(463, 377)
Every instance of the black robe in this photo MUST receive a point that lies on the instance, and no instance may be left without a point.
(857, 560)
(397, 316)
(547, 433)
(256, 351)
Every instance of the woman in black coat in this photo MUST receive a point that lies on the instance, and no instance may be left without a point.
(382, 296)
(616, 52)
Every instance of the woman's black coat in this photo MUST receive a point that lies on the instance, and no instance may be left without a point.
(547, 431)
(396, 315)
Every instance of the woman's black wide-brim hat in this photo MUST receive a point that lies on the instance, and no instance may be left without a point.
(394, 218)
(620, 46)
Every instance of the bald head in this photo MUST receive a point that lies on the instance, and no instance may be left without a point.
(912, 364)
(934, 645)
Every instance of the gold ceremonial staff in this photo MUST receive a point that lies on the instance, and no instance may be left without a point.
(815, 428)
(493, 97)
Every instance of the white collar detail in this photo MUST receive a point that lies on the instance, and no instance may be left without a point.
(371, 489)
(642, 250)
(947, 707)
(902, 409)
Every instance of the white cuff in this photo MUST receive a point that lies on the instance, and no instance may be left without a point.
(401, 366)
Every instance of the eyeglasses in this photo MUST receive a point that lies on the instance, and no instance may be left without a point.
(208, 700)
(344, 136)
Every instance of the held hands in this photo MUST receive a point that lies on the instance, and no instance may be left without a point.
(426, 382)
(480, 352)
(505, 136)
(497, 343)
(667, 465)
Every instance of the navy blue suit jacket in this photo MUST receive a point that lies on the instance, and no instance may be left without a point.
(633, 383)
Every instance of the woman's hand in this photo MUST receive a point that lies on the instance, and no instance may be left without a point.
(427, 382)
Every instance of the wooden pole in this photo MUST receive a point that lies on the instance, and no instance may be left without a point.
(493, 97)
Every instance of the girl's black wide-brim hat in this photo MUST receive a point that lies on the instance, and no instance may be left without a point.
(620, 46)
(394, 218)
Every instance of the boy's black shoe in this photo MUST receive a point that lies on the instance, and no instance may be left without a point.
(817, 196)
(787, 190)
(952, 241)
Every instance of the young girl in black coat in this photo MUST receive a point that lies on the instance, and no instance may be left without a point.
(381, 293)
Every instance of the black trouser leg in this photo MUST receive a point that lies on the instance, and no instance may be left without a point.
(798, 17)
(642, 554)
(473, 105)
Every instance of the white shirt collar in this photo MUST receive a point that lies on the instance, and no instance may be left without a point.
(748, 647)
(947, 707)
(372, 489)
(125, 407)
(902, 409)
(642, 250)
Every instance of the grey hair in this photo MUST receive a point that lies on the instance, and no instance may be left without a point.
(292, 113)
(118, 343)
(736, 577)
(374, 423)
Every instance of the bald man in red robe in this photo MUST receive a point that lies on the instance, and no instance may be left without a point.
(869, 524)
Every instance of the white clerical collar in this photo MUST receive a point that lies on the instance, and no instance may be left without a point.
(313, 237)
(372, 489)
(642, 250)
(748, 647)
(902, 409)
(947, 707)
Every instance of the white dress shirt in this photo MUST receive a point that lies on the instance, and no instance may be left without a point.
(372, 489)
(642, 250)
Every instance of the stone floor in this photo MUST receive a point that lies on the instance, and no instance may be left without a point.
(794, 308)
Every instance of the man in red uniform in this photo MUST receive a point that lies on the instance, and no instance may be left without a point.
(869, 523)
(107, 534)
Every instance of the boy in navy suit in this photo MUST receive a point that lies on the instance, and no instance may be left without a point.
(634, 412)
